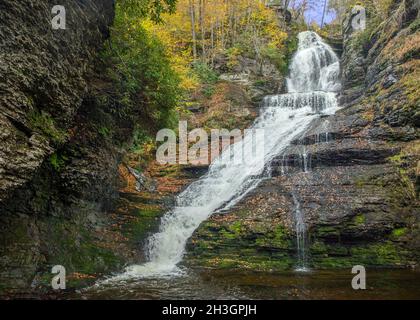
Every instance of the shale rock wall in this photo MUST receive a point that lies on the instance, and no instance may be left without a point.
(43, 79)
(58, 170)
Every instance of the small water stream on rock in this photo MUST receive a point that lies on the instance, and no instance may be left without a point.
(314, 77)
(300, 235)
(313, 81)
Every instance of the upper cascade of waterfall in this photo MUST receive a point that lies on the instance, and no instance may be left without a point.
(315, 66)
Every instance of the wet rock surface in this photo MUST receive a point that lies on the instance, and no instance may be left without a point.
(43, 79)
(258, 79)
(45, 152)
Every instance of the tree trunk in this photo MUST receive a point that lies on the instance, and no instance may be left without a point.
(212, 43)
(202, 29)
(193, 35)
(323, 13)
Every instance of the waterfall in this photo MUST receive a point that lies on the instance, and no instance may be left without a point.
(312, 85)
(300, 234)
(315, 67)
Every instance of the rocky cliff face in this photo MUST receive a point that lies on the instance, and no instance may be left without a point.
(43, 79)
(359, 194)
(54, 143)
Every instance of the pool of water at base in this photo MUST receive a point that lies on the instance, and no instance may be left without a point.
(234, 284)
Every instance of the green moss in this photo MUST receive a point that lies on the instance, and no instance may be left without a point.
(72, 246)
(203, 246)
(43, 122)
(359, 183)
(412, 89)
(260, 83)
(318, 247)
(58, 161)
(331, 263)
(251, 262)
(280, 232)
(233, 231)
(329, 255)
(236, 227)
(270, 264)
(81, 250)
(19, 234)
(415, 25)
(380, 254)
(278, 238)
(399, 232)
(359, 219)
(323, 255)
(91, 259)
(104, 132)
(396, 158)
(406, 187)
(237, 245)
(329, 231)
(227, 264)
(227, 235)
(146, 221)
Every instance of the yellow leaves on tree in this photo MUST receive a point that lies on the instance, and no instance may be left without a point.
(199, 30)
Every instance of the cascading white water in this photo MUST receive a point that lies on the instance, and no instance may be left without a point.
(313, 79)
(315, 67)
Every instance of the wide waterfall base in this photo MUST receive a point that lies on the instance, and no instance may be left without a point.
(303, 269)
(148, 270)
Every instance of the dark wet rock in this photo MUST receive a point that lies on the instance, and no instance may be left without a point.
(195, 108)
(194, 171)
(42, 80)
(389, 81)
(336, 44)
(258, 78)
(56, 174)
